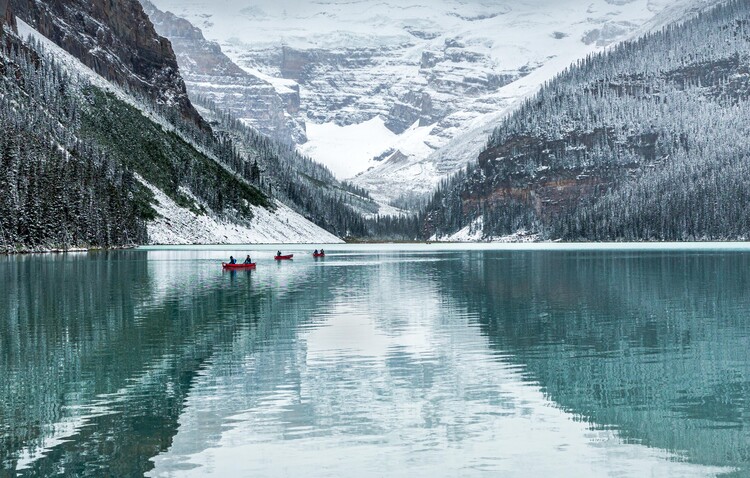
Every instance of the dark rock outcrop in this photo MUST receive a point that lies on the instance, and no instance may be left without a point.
(6, 15)
(118, 41)
(413, 107)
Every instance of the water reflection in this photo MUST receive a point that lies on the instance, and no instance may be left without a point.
(99, 352)
(425, 363)
(652, 344)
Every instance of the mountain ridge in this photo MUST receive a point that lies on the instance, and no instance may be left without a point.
(644, 142)
(209, 73)
(118, 41)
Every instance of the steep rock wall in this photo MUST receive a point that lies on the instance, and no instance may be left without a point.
(118, 41)
(209, 73)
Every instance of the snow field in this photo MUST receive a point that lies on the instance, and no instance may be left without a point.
(179, 226)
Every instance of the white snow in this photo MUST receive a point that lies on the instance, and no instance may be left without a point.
(281, 85)
(474, 233)
(180, 226)
(346, 150)
(471, 233)
(350, 150)
(515, 31)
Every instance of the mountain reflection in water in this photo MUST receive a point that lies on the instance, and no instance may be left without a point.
(403, 363)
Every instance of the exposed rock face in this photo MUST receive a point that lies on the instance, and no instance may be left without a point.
(352, 85)
(6, 15)
(209, 73)
(118, 41)
(294, 63)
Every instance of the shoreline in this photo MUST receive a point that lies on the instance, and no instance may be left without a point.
(71, 250)
(496, 245)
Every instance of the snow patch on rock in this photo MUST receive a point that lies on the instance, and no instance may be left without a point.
(474, 232)
(471, 233)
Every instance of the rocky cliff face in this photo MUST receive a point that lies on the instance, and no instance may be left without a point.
(118, 41)
(209, 73)
(6, 14)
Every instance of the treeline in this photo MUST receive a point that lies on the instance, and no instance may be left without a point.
(71, 155)
(304, 185)
(55, 190)
(648, 141)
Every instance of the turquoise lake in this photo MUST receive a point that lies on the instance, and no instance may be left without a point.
(378, 361)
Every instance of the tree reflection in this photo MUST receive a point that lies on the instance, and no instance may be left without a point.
(652, 344)
(99, 352)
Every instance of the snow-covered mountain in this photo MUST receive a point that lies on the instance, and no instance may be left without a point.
(647, 141)
(209, 73)
(90, 160)
(397, 95)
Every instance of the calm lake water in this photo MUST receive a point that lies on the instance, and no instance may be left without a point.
(377, 361)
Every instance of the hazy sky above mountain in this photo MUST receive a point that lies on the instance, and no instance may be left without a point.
(330, 22)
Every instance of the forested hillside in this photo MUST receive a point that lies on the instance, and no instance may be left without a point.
(57, 190)
(90, 164)
(70, 154)
(278, 169)
(649, 141)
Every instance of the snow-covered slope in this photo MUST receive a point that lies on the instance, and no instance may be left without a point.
(386, 86)
(178, 225)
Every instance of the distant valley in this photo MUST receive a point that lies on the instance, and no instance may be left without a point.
(397, 97)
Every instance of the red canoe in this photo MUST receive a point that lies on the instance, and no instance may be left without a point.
(238, 266)
(284, 258)
(319, 255)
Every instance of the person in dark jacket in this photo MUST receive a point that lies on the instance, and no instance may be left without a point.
(247, 260)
